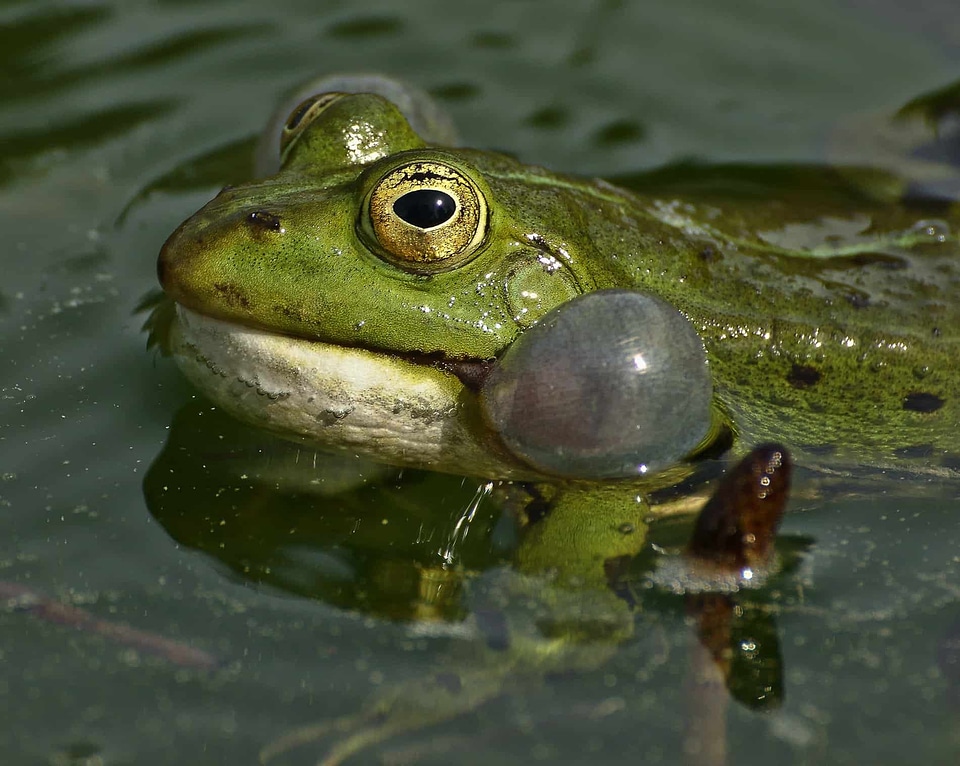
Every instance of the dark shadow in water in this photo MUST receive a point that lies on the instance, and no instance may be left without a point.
(88, 130)
(358, 535)
(31, 62)
(229, 164)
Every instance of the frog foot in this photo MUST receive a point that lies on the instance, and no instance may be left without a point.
(733, 536)
(737, 527)
(736, 652)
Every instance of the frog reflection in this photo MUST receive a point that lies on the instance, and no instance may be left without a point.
(222, 487)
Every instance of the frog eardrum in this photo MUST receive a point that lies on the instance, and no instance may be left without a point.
(426, 216)
(611, 384)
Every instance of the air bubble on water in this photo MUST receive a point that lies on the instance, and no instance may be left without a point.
(936, 229)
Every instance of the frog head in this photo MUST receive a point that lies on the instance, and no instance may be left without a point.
(369, 239)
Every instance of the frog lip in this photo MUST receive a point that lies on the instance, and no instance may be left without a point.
(369, 403)
(470, 372)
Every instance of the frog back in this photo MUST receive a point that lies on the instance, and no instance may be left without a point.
(833, 329)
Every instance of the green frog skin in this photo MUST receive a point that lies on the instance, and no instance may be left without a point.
(306, 304)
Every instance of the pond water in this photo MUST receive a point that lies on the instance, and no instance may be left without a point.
(180, 588)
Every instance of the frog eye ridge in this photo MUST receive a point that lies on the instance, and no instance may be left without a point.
(426, 216)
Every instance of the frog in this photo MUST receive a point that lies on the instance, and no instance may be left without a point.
(587, 348)
(307, 304)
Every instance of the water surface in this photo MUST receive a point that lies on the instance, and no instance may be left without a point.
(125, 495)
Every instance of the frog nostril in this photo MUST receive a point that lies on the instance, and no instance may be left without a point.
(264, 220)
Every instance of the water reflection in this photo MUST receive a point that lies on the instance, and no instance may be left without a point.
(355, 534)
(438, 553)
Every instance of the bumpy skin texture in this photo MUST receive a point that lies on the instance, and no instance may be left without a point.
(831, 330)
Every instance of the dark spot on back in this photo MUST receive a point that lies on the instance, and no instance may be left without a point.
(264, 220)
(857, 299)
(914, 450)
(951, 461)
(709, 254)
(289, 311)
(922, 401)
(803, 376)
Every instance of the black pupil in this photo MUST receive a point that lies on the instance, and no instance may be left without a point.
(425, 208)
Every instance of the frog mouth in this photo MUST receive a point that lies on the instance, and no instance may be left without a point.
(392, 408)
(230, 347)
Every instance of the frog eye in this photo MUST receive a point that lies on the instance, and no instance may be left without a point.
(611, 384)
(427, 216)
(303, 114)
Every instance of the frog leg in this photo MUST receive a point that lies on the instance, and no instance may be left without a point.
(584, 526)
(734, 534)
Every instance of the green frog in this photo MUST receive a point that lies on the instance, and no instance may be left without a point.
(367, 296)
(382, 291)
